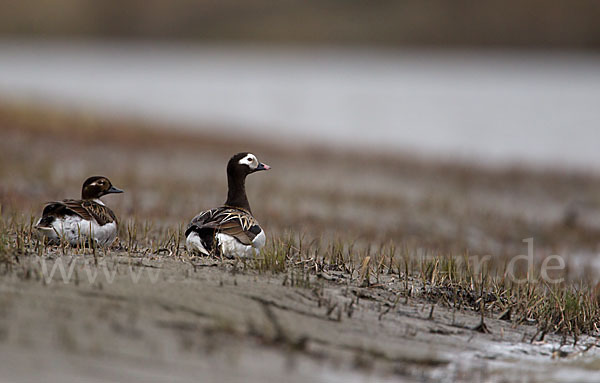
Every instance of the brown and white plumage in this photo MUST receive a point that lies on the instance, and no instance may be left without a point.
(230, 230)
(78, 221)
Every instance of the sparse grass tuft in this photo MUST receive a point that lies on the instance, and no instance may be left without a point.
(567, 308)
(276, 256)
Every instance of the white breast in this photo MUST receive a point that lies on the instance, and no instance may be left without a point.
(194, 244)
(259, 240)
(77, 231)
(231, 247)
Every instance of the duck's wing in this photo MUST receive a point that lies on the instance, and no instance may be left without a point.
(86, 209)
(239, 224)
(204, 219)
(234, 222)
(101, 213)
(64, 208)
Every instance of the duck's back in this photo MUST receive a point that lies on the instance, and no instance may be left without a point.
(86, 209)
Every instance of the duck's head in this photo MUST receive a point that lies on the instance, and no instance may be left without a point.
(243, 164)
(96, 187)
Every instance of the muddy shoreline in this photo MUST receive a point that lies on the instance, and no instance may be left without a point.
(155, 318)
(156, 315)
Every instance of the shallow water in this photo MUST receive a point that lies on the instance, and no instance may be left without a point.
(526, 362)
(495, 106)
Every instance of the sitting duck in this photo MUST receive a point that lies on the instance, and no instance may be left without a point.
(230, 230)
(77, 221)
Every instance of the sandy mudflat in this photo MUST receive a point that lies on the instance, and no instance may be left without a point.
(212, 320)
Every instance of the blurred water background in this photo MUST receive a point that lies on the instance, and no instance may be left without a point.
(498, 81)
(540, 107)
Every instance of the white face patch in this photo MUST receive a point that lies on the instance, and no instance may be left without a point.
(249, 160)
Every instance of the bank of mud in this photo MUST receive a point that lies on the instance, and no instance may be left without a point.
(166, 316)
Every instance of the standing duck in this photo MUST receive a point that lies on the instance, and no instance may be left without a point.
(230, 230)
(79, 220)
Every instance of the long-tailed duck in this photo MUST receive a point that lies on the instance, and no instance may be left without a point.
(230, 230)
(78, 220)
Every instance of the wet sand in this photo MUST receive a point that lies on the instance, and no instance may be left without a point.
(213, 321)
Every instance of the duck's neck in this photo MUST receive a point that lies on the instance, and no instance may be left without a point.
(236, 194)
(86, 194)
